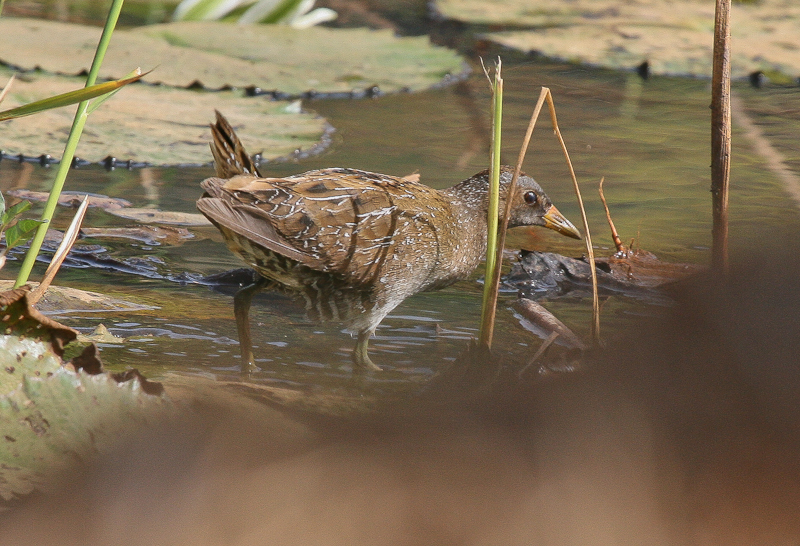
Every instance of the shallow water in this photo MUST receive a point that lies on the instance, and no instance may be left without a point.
(649, 139)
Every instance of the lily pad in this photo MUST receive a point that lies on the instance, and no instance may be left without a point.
(674, 36)
(148, 235)
(270, 57)
(155, 125)
(121, 208)
(52, 415)
(60, 300)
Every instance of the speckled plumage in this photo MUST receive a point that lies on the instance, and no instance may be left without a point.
(354, 243)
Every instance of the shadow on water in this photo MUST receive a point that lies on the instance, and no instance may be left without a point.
(649, 139)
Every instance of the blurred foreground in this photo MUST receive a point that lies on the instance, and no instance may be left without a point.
(687, 432)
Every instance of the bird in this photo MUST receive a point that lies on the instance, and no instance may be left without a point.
(354, 244)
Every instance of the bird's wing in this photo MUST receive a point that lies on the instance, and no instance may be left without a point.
(353, 223)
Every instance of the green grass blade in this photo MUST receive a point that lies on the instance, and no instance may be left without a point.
(487, 314)
(134, 76)
(69, 150)
(270, 11)
(69, 98)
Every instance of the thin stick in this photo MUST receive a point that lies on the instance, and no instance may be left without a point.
(69, 238)
(721, 135)
(587, 235)
(7, 88)
(491, 279)
(69, 149)
(539, 316)
(614, 235)
(542, 348)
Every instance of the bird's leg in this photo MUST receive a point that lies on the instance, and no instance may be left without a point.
(241, 309)
(360, 355)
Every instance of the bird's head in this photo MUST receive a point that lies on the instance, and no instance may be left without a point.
(530, 206)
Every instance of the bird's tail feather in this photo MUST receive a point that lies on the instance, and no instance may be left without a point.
(230, 157)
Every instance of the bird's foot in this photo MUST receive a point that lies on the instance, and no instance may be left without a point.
(367, 365)
(361, 358)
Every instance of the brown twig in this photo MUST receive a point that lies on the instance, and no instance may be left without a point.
(587, 237)
(7, 88)
(721, 135)
(547, 321)
(614, 235)
(542, 348)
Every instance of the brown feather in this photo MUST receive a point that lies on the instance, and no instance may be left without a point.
(230, 157)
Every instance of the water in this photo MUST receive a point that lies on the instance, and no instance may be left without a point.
(649, 139)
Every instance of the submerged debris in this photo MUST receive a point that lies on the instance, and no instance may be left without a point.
(636, 274)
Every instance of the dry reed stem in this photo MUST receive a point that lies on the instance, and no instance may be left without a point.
(721, 135)
(7, 88)
(614, 235)
(542, 348)
(67, 241)
(491, 311)
(587, 235)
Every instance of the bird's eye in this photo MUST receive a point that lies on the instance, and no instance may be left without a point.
(530, 197)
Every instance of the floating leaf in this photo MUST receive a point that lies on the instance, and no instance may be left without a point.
(122, 208)
(270, 57)
(675, 37)
(156, 125)
(62, 300)
(52, 416)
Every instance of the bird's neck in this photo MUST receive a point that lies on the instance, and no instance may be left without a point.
(470, 201)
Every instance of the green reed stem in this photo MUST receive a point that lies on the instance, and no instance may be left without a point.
(487, 309)
(69, 150)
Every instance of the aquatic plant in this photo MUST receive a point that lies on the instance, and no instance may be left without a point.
(16, 230)
(84, 109)
(295, 13)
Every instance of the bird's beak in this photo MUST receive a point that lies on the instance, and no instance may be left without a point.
(556, 221)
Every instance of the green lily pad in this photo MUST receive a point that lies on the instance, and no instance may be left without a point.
(270, 57)
(52, 416)
(155, 124)
(675, 36)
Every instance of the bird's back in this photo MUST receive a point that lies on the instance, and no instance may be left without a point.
(355, 224)
(351, 241)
